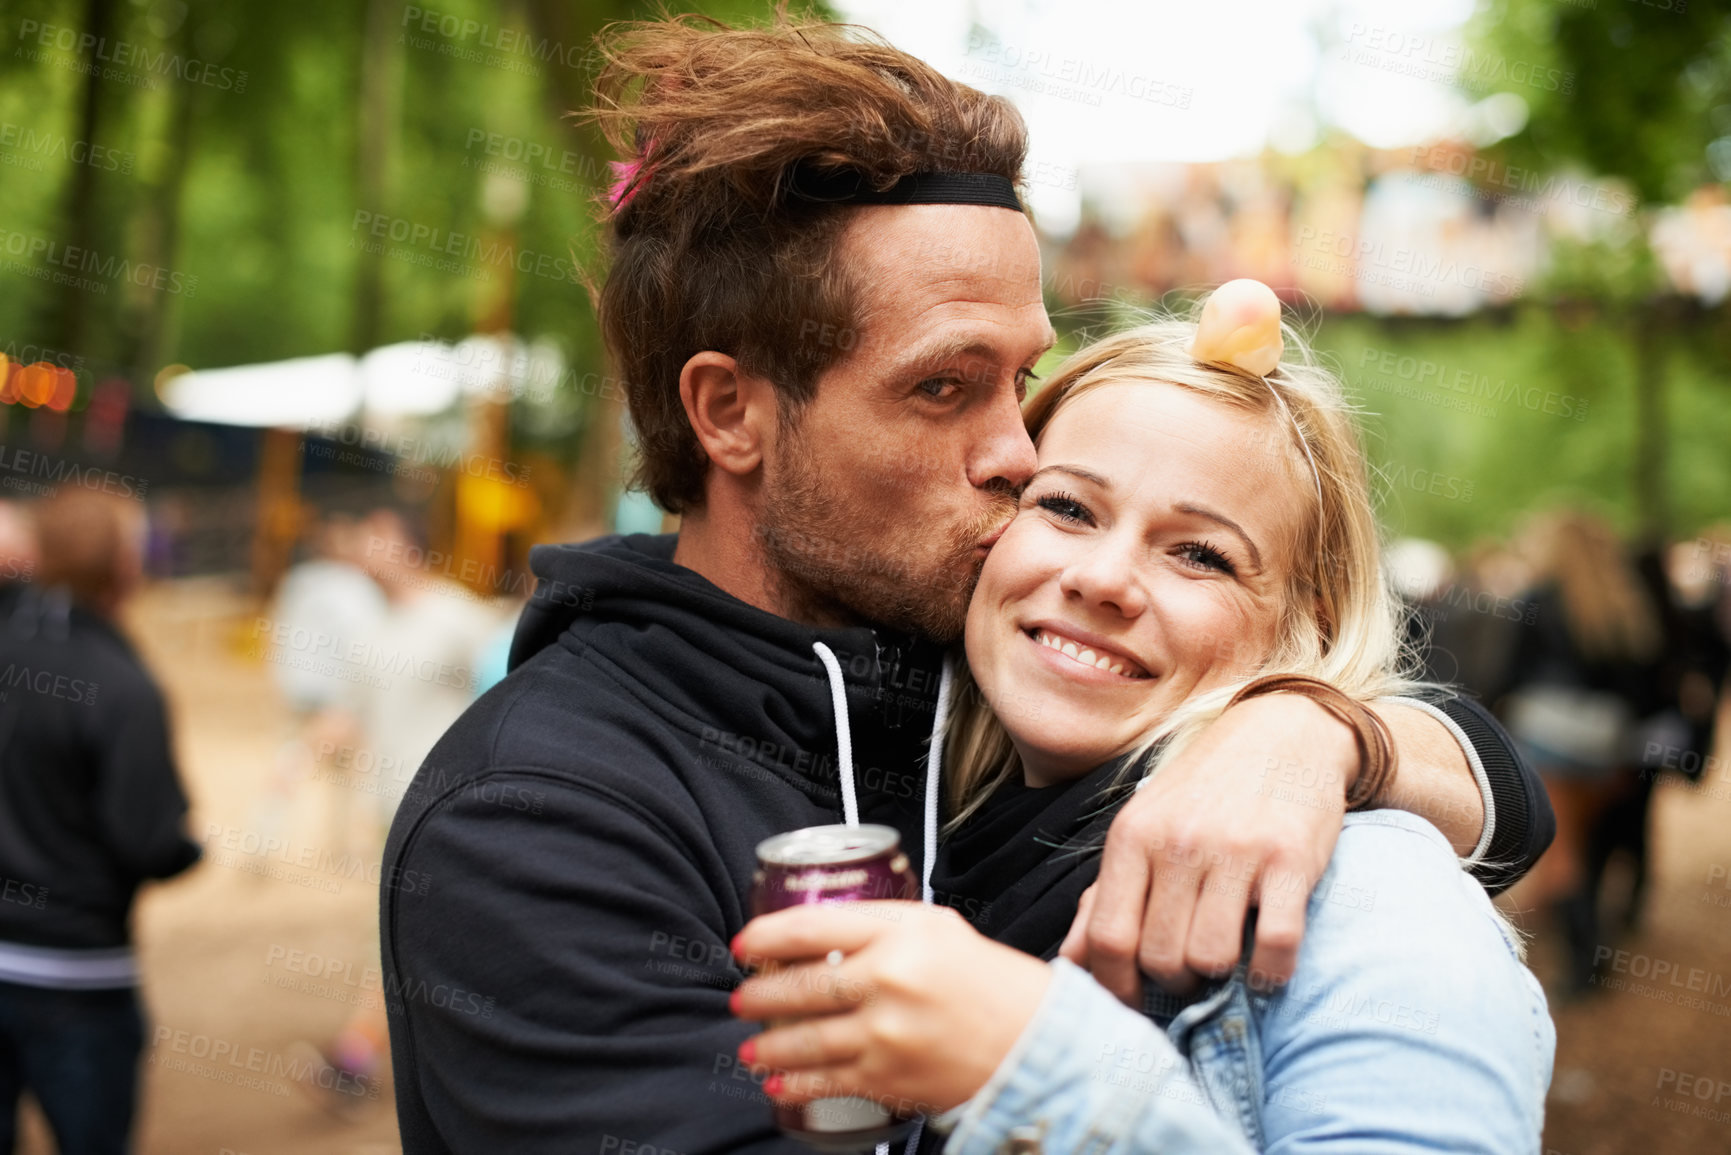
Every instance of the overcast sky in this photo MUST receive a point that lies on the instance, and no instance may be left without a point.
(1105, 82)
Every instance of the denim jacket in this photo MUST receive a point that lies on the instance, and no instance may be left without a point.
(1410, 1025)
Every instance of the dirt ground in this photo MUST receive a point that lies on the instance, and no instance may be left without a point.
(1644, 1062)
(235, 961)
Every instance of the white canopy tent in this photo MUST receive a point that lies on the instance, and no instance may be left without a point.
(407, 380)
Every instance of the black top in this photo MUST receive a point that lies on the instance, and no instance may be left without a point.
(90, 805)
(584, 837)
(1019, 865)
(1548, 655)
(569, 865)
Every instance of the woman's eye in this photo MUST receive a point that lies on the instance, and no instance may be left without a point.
(1204, 556)
(1066, 508)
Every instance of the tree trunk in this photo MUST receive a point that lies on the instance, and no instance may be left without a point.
(381, 87)
(596, 468)
(150, 337)
(1651, 503)
(71, 325)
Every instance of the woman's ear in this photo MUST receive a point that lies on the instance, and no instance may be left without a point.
(732, 413)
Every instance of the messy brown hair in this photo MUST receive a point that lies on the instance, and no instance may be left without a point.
(87, 542)
(709, 249)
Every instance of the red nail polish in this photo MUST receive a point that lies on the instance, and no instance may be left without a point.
(733, 945)
(772, 1086)
(733, 1001)
(748, 1052)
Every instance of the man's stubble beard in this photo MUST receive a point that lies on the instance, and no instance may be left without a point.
(824, 572)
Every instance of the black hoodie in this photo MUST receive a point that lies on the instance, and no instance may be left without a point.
(90, 804)
(569, 865)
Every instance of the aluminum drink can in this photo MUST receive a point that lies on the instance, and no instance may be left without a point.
(834, 864)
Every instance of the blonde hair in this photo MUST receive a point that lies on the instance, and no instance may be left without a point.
(1340, 620)
(1608, 611)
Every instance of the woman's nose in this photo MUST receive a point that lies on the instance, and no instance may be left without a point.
(1105, 575)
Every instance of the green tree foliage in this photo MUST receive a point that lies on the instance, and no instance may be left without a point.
(1648, 92)
(1644, 98)
(258, 149)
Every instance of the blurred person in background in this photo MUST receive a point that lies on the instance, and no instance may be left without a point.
(1679, 728)
(1488, 611)
(17, 546)
(328, 596)
(419, 657)
(1713, 560)
(1582, 679)
(91, 806)
(426, 646)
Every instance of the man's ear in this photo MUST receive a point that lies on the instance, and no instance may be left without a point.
(733, 413)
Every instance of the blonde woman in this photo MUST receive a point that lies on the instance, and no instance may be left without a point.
(1199, 522)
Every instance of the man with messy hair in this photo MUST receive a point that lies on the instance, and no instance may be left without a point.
(824, 300)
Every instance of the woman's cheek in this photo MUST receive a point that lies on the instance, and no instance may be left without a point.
(991, 621)
(1209, 638)
(1026, 558)
(980, 637)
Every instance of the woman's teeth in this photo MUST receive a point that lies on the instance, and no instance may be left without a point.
(1088, 657)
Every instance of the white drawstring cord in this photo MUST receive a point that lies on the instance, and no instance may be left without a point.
(843, 737)
(934, 772)
(850, 799)
(934, 778)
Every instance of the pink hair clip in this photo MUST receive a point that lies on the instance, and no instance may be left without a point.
(628, 178)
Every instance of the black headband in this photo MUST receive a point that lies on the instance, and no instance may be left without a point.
(848, 186)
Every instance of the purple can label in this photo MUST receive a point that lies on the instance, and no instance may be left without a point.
(834, 864)
(830, 864)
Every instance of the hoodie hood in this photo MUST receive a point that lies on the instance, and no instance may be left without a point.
(1016, 869)
(846, 709)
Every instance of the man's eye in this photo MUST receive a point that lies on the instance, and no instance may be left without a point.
(940, 388)
(1024, 378)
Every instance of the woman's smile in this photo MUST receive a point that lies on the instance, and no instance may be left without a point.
(1075, 653)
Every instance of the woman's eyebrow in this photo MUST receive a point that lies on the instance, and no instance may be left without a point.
(1222, 520)
(1074, 471)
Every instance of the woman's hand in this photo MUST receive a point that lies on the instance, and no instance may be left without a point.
(916, 1012)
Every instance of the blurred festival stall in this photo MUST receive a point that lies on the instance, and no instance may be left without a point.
(1435, 230)
(402, 424)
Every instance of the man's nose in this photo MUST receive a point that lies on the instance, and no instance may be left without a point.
(1005, 453)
